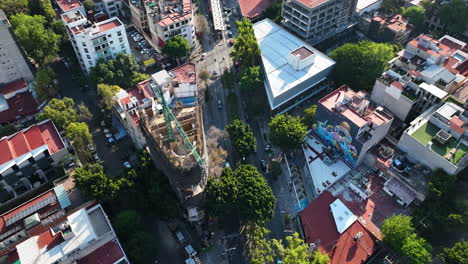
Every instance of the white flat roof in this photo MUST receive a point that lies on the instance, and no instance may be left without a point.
(344, 218)
(322, 174)
(275, 45)
(217, 15)
(362, 4)
(434, 90)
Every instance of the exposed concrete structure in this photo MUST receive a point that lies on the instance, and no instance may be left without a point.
(13, 65)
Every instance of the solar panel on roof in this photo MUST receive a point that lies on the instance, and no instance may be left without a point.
(30, 210)
(62, 196)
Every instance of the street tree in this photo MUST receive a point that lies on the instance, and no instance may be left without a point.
(392, 6)
(287, 132)
(242, 137)
(416, 249)
(6, 130)
(259, 248)
(416, 16)
(204, 76)
(78, 134)
(123, 71)
(251, 79)
(13, 7)
(395, 230)
(84, 114)
(296, 251)
(140, 247)
(358, 65)
(454, 15)
(107, 93)
(245, 48)
(40, 44)
(309, 116)
(273, 11)
(458, 254)
(46, 86)
(221, 194)
(176, 47)
(217, 155)
(89, 5)
(127, 222)
(60, 111)
(319, 257)
(58, 27)
(96, 184)
(274, 169)
(202, 24)
(47, 10)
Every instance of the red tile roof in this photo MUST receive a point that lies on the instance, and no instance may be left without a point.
(29, 139)
(319, 228)
(457, 124)
(21, 105)
(312, 3)
(398, 85)
(109, 253)
(12, 86)
(253, 8)
(109, 25)
(48, 241)
(125, 100)
(185, 73)
(67, 5)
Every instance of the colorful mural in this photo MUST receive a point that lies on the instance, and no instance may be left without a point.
(338, 137)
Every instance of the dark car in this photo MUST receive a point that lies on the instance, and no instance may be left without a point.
(264, 165)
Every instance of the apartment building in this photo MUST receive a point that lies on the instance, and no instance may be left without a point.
(70, 5)
(28, 156)
(390, 29)
(162, 20)
(438, 138)
(49, 229)
(317, 20)
(13, 62)
(294, 71)
(422, 75)
(17, 103)
(349, 124)
(92, 41)
(109, 7)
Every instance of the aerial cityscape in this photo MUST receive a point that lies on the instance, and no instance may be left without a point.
(233, 131)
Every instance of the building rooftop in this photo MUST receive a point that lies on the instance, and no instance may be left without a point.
(434, 90)
(28, 142)
(13, 87)
(396, 23)
(253, 8)
(94, 29)
(312, 3)
(362, 4)
(354, 245)
(16, 101)
(355, 107)
(176, 15)
(343, 217)
(67, 5)
(185, 73)
(276, 46)
(325, 170)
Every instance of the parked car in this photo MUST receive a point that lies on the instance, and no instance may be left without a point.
(227, 164)
(264, 165)
(96, 157)
(91, 148)
(127, 165)
(268, 148)
(220, 105)
(230, 33)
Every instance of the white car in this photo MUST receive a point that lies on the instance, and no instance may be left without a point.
(108, 135)
(127, 165)
(96, 157)
(106, 130)
(91, 148)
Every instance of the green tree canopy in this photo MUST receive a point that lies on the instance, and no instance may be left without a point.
(84, 113)
(61, 112)
(242, 137)
(251, 79)
(273, 11)
(46, 87)
(89, 5)
(458, 254)
(296, 250)
(47, 10)
(309, 115)
(107, 93)
(392, 6)
(13, 7)
(358, 65)
(127, 222)
(96, 184)
(319, 257)
(395, 229)
(40, 43)
(6, 130)
(78, 134)
(176, 47)
(287, 132)
(417, 250)
(454, 15)
(121, 71)
(416, 16)
(244, 189)
(245, 48)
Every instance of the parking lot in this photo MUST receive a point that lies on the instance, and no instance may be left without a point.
(140, 47)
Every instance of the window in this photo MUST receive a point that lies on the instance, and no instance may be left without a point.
(109, 35)
(83, 44)
(120, 39)
(90, 62)
(185, 35)
(88, 57)
(122, 46)
(111, 42)
(177, 24)
(119, 33)
(171, 27)
(86, 50)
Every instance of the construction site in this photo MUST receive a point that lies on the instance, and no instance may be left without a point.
(174, 132)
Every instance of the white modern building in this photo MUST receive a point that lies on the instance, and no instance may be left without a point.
(294, 70)
(109, 7)
(92, 41)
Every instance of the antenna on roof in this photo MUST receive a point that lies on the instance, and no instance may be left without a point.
(357, 236)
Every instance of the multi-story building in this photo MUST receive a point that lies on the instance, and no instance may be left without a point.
(294, 71)
(13, 63)
(315, 21)
(349, 124)
(438, 138)
(92, 41)
(422, 75)
(49, 229)
(111, 8)
(390, 29)
(70, 5)
(162, 20)
(28, 156)
(253, 9)
(17, 103)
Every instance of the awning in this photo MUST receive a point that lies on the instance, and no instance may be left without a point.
(149, 62)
